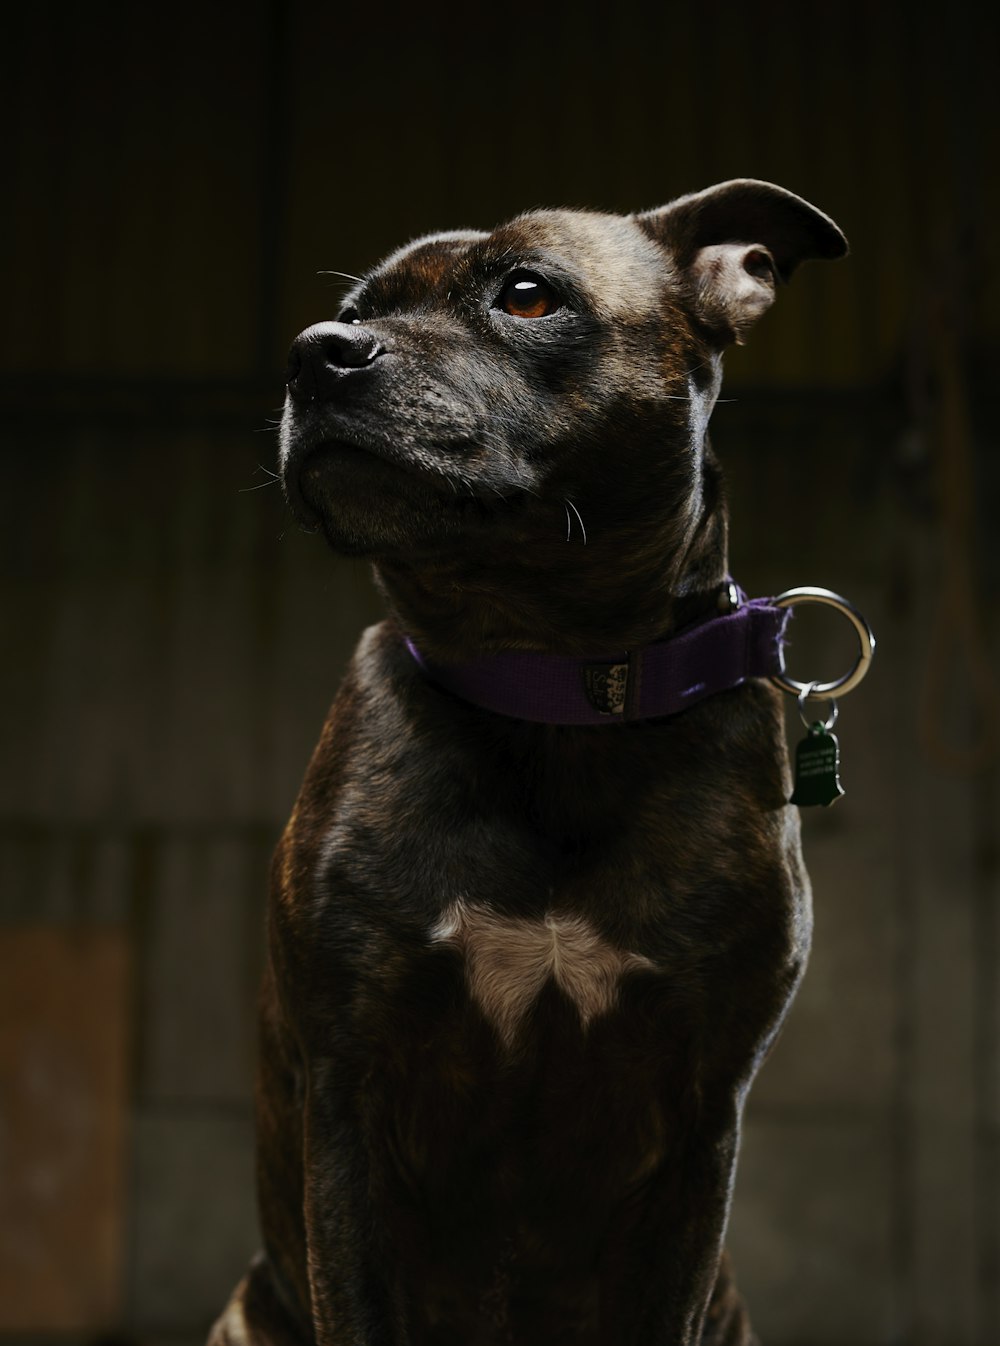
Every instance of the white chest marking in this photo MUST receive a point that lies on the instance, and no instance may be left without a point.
(508, 960)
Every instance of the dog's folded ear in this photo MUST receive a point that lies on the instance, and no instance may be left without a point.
(735, 242)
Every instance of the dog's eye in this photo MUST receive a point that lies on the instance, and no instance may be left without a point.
(527, 296)
(350, 315)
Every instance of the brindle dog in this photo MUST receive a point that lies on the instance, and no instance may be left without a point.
(520, 976)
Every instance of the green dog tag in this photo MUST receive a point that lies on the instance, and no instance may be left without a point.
(817, 768)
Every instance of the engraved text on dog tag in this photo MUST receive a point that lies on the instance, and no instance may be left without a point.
(817, 768)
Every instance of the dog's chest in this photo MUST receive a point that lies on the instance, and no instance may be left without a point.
(503, 875)
(508, 961)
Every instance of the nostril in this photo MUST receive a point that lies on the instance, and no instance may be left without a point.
(351, 348)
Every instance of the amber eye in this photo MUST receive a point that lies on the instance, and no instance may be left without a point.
(527, 296)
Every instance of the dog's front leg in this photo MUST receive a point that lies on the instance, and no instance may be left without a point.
(668, 1264)
(352, 1287)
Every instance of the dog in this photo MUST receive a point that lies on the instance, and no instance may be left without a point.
(521, 974)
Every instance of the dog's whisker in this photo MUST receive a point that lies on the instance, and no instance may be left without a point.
(346, 275)
(583, 529)
(273, 479)
(569, 521)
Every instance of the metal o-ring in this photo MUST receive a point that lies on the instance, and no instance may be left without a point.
(866, 641)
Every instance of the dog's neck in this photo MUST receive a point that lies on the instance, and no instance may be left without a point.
(620, 590)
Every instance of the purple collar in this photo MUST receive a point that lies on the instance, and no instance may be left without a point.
(660, 679)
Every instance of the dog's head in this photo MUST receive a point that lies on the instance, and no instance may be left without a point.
(483, 396)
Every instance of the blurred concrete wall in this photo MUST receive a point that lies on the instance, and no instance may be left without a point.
(177, 178)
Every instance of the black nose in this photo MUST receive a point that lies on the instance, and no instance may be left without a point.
(324, 354)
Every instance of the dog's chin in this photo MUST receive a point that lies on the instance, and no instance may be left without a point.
(374, 506)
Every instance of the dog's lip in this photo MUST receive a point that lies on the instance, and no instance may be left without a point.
(334, 464)
(340, 446)
(326, 467)
(340, 451)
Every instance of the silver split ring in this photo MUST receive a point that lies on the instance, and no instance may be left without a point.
(831, 716)
(866, 641)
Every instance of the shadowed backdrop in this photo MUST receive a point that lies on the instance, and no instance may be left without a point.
(178, 181)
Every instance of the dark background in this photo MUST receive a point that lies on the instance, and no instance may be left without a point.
(175, 177)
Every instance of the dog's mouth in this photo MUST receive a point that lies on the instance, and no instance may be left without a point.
(366, 497)
(334, 469)
(337, 463)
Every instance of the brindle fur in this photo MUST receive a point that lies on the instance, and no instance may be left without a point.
(426, 1177)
